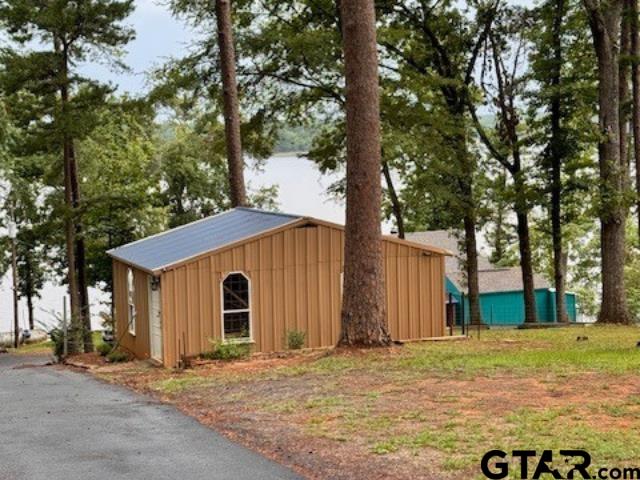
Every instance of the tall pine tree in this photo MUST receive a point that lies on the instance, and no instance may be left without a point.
(51, 39)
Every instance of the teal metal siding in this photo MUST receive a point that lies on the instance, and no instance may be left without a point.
(507, 308)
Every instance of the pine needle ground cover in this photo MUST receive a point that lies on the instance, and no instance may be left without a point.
(423, 410)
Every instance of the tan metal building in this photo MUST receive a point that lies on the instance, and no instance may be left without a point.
(247, 275)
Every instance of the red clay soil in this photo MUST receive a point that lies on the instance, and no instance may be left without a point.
(334, 440)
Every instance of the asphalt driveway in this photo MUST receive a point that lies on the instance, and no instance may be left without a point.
(61, 425)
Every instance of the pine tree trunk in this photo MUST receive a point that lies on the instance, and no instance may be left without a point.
(623, 84)
(363, 304)
(76, 325)
(14, 274)
(83, 287)
(556, 150)
(230, 101)
(605, 27)
(635, 82)
(396, 206)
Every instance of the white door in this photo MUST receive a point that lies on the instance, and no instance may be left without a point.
(155, 321)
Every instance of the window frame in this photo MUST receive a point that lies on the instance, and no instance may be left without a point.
(132, 312)
(248, 339)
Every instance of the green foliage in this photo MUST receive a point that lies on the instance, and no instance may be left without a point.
(57, 342)
(227, 350)
(119, 153)
(193, 169)
(104, 349)
(118, 356)
(632, 273)
(295, 339)
(49, 39)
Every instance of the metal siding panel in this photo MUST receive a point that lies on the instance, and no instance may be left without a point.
(412, 284)
(306, 295)
(403, 294)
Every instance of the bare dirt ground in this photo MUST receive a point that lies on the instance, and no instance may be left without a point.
(413, 411)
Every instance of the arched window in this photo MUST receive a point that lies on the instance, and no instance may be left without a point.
(236, 307)
(131, 300)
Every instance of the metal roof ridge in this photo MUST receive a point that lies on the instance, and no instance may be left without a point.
(268, 212)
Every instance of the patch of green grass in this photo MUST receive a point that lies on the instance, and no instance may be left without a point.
(34, 348)
(324, 403)
(554, 429)
(179, 384)
(281, 406)
(359, 397)
(609, 349)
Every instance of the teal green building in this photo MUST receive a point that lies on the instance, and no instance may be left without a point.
(501, 290)
(506, 307)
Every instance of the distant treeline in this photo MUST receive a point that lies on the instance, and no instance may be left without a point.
(295, 139)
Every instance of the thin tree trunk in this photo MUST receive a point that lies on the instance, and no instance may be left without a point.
(29, 293)
(506, 102)
(363, 305)
(471, 251)
(623, 82)
(500, 235)
(524, 245)
(14, 275)
(556, 151)
(30, 312)
(465, 182)
(635, 82)
(75, 331)
(230, 100)
(83, 287)
(605, 27)
(396, 206)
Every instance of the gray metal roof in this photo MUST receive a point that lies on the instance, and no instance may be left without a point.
(202, 236)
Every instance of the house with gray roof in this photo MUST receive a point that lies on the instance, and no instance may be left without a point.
(501, 288)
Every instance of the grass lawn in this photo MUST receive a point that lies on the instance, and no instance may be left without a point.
(33, 348)
(424, 410)
(46, 347)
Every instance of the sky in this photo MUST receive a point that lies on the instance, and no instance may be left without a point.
(158, 38)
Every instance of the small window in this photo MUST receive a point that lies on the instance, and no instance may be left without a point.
(236, 307)
(131, 301)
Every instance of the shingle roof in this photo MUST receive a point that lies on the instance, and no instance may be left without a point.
(167, 248)
(490, 278)
(446, 239)
(498, 280)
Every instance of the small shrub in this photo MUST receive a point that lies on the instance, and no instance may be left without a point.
(57, 342)
(227, 351)
(104, 349)
(118, 356)
(295, 339)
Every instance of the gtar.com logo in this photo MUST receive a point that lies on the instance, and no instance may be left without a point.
(495, 465)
